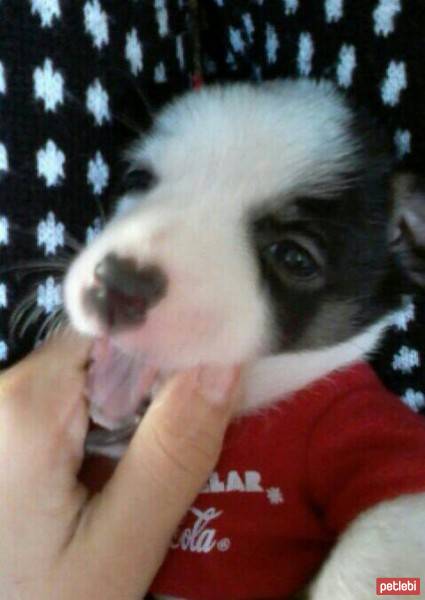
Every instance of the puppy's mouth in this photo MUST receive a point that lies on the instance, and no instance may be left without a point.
(120, 388)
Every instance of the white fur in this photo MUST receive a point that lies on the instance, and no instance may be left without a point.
(214, 166)
(387, 540)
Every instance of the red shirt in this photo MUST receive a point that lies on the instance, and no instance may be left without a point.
(289, 479)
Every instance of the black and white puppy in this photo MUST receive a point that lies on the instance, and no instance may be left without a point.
(263, 224)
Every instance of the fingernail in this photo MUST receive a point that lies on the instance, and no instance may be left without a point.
(216, 383)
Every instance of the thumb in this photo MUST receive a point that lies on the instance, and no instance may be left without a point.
(169, 459)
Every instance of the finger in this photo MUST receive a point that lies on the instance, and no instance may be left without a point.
(43, 411)
(171, 455)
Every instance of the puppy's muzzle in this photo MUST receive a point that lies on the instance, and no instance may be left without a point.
(123, 292)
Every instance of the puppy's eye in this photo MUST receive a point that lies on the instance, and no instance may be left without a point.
(294, 259)
(138, 180)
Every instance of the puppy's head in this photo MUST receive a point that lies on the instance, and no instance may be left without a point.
(254, 220)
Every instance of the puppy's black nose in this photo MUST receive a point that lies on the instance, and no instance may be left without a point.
(124, 292)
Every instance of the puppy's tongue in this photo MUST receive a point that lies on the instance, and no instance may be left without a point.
(116, 385)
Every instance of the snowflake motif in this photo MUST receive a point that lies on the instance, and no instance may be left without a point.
(257, 73)
(231, 60)
(49, 295)
(384, 16)
(414, 399)
(159, 73)
(3, 86)
(4, 231)
(97, 102)
(50, 234)
(133, 52)
(406, 360)
(180, 51)
(98, 173)
(50, 162)
(346, 65)
(394, 83)
(47, 10)
(96, 23)
(236, 41)
(272, 44)
(4, 159)
(305, 54)
(402, 141)
(274, 495)
(3, 295)
(249, 27)
(3, 350)
(401, 318)
(161, 17)
(48, 86)
(333, 10)
(210, 66)
(93, 230)
(291, 7)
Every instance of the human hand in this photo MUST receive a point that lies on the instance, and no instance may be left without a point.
(58, 541)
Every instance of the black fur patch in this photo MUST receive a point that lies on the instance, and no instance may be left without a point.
(360, 281)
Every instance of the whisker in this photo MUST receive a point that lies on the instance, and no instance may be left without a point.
(34, 266)
(27, 305)
(48, 323)
(33, 317)
(59, 322)
(72, 242)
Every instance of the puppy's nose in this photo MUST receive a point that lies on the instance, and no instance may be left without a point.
(123, 291)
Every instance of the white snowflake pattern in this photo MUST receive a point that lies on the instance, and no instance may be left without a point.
(159, 73)
(49, 295)
(231, 60)
(414, 399)
(402, 141)
(48, 86)
(3, 85)
(333, 10)
(47, 10)
(249, 27)
(161, 17)
(272, 44)
(93, 230)
(134, 52)
(50, 234)
(96, 23)
(274, 495)
(50, 164)
(4, 231)
(97, 102)
(3, 350)
(180, 51)
(4, 158)
(305, 54)
(236, 40)
(406, 359)
(3, 295)
(291, 7)
(384, 16)
(394, 83)
(346, 65)
(401, 318)
(98, 173)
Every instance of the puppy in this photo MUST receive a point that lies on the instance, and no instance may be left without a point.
(264, 224)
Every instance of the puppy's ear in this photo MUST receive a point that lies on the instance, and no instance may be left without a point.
(407, 227)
